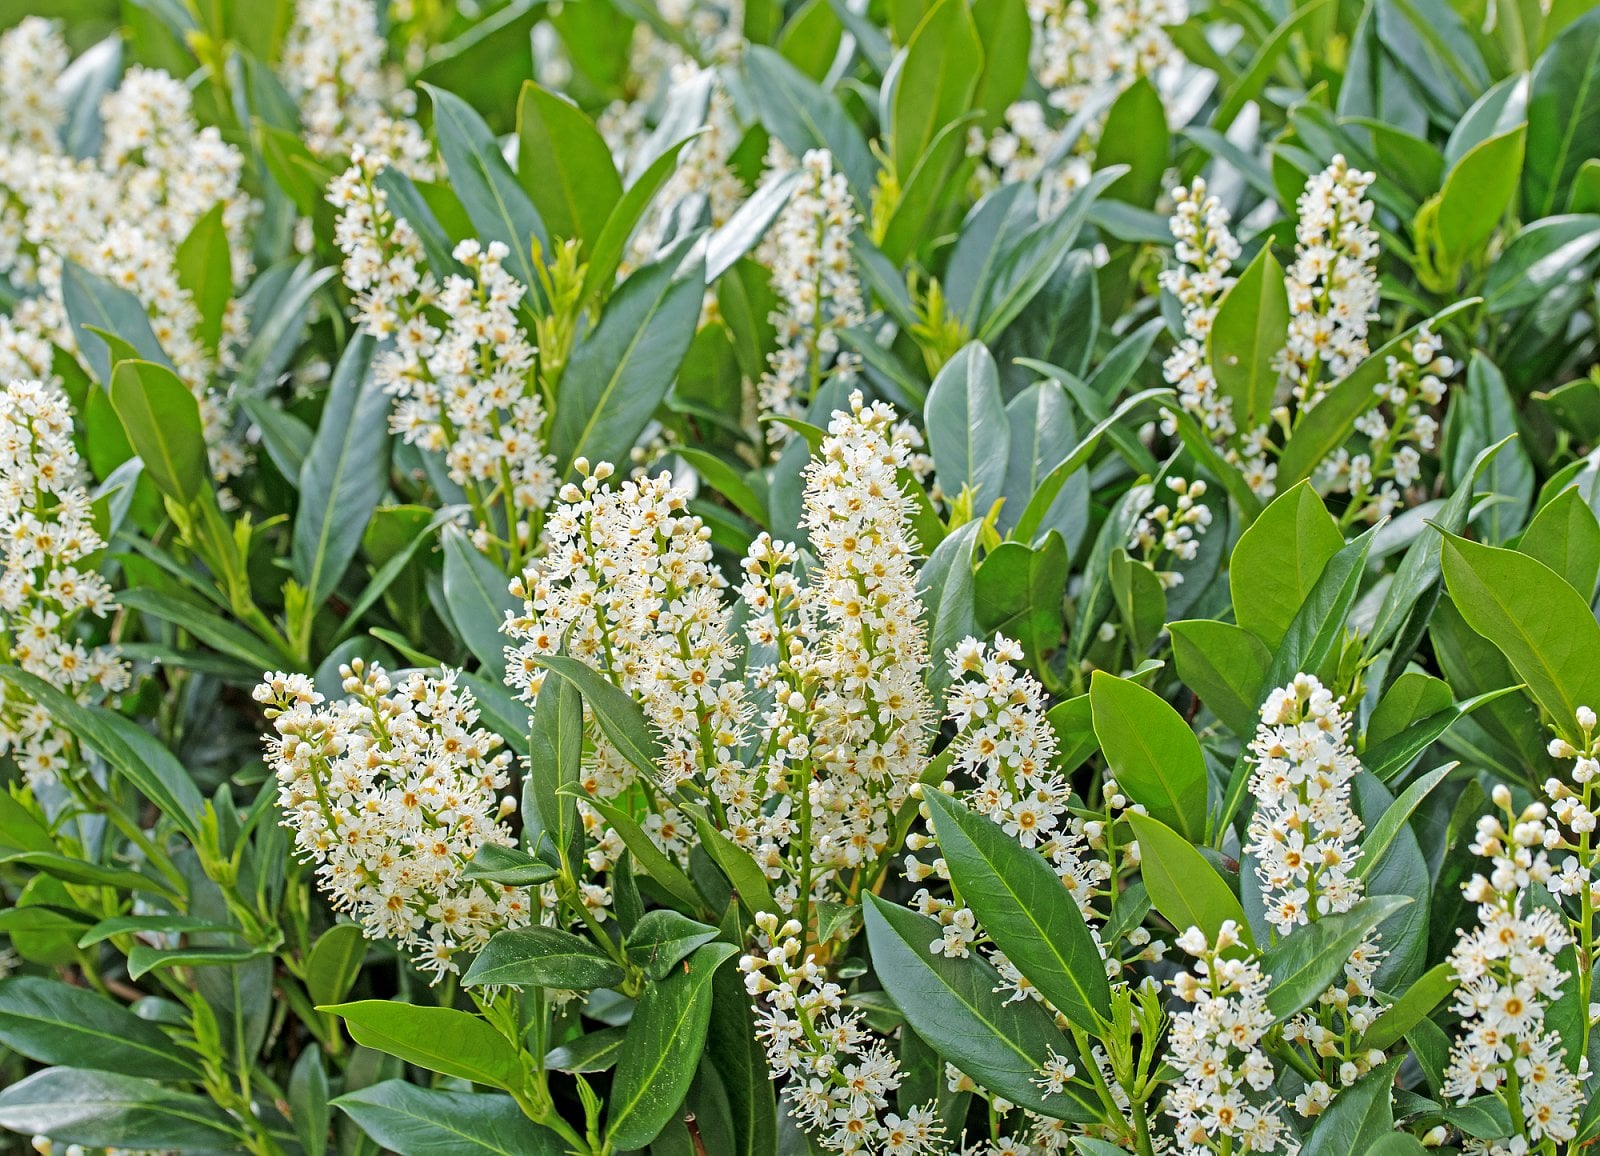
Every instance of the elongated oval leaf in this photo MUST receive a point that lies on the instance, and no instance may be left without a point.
(345, 473)
(1303, 964)
(1556, 651)
(662, 1049)
(967, 427)
(162, 421)
(620, 372)
(57, 1024)
(1246, 337)
(1026, 910)
(440, 1039)
(564, 165)
(1182, 885)
(954, 1005)
(415, 1121)
(480, 176)
(109, 1110)
(1152, 752)
(543, 957)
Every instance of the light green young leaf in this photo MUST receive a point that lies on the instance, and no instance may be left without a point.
(1183, 886)
(1279, 559)
(1152, 752)
(440, 1039)
(1249, 332)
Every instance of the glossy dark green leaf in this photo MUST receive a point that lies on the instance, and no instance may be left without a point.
(494, 863)
(1025, 908)
(345, 474)
(1563, 116)
(543, 957)
(132, 752)
(620, 372)
(93, 303)
(308, 1100)
(1477, 193)
(1247, 337)
(479, 599)
(413, 1121)
(596, 1051)
(1419, 1000)
(609, 247)
(334, 962)
(799, 113)
(109, 1110)
(1358, 1116)
(955, 1006)
(1319, 626)
(1327, 427)
(664, 1044)
(1556, 651)
(1019, 592)
(1226, 666)
(55, 1023)
(1043, 433)
(935, 81)
(968, 433)
(204, 267)
(1565, 536)
(663, 938)
(1302, 964)
(162, 421)
(489, 191)
(620, 718)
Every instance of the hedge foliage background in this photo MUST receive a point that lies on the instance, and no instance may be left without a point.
(737, 577)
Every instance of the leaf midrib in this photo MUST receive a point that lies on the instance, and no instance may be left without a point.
(1085, 997)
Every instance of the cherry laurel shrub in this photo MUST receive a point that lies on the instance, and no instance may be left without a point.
(759, 577)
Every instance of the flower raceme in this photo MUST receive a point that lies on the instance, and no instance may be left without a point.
(1304, 833)
(333, 68)
(1332, 294)
(1217, 1102)
(47, 542)
(1509, 975)
(461, 367)
(121, 215)
(819, 293)
(391, 792)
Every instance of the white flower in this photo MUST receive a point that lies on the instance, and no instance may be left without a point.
(1215, 1048)
(47, 544)
(1303, 834)
(391, 792)
(122, 216)
(1508, 976)
(1333, 282)
(461, 368)
(333, 67)
(841, 1077)
(1171, 533)
(819, 294)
